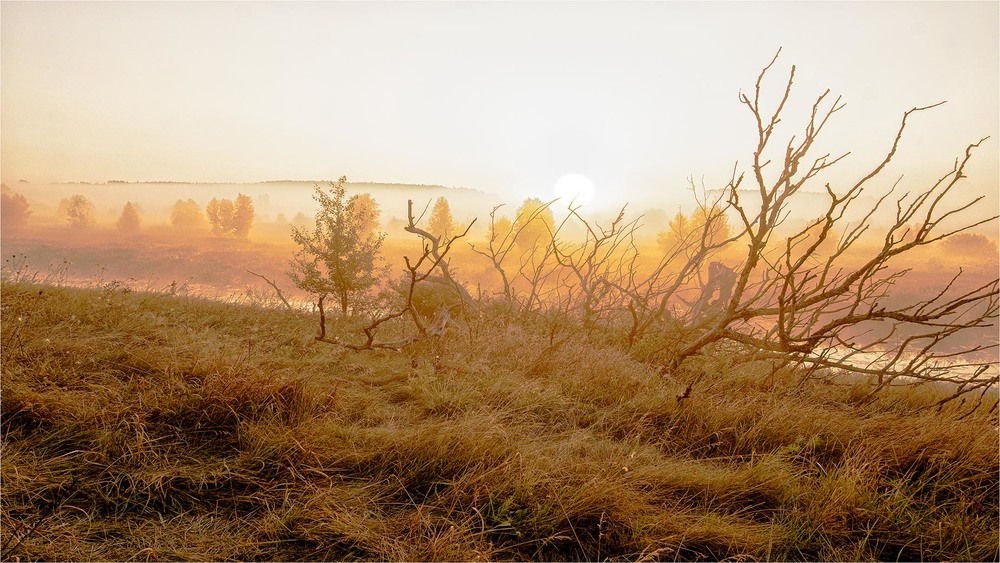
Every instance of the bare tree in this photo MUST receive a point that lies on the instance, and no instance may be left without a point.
(602, 281)
(503, 235)
(721, 278)
(831, 312)
(433, 256)
(824, 295)
(820, 295)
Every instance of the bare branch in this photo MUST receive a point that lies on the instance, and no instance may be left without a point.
(434, 253)
(276, 289)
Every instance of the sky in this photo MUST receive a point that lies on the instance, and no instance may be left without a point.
(502, 97)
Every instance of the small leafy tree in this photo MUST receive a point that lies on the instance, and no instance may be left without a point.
(80, 211)
(186, 215)
(220, 215)
(971, 244)
(499, 229)
(441, 222)
(341, 255)
(14, 209)
(706, 225)
(534, 224)
(243, 216)
(820, 244)
(366, 210)
(422, 293)
(231, 217)
(226, 212)
(129, 220)
(214, 219)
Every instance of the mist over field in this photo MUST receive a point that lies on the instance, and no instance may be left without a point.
(47, 237)
(570, 281)
(161, 252)
(271, 199)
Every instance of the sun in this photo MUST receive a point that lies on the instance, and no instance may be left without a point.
(574, 187)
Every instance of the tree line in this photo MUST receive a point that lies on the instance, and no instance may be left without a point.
(233, 217)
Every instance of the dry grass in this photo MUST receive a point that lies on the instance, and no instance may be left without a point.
(148, 427)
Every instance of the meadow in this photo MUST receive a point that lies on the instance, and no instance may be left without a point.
(169, 394)
(148, 426)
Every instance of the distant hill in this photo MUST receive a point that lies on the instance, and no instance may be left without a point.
(287, 197)
(297, 183)
(372, 185)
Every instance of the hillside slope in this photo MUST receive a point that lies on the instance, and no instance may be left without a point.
(150, 427)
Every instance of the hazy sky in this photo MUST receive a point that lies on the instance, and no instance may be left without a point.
(494, 96)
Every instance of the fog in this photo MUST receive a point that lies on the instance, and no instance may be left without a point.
(162, 256)
(282, 202)
(271, 199)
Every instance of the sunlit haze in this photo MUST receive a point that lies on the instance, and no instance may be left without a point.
(499, 280)
(574, 188)
(500, 97)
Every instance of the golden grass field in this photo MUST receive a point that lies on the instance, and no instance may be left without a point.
(145, 426)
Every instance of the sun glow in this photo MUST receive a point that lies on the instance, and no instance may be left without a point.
(574, 187)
